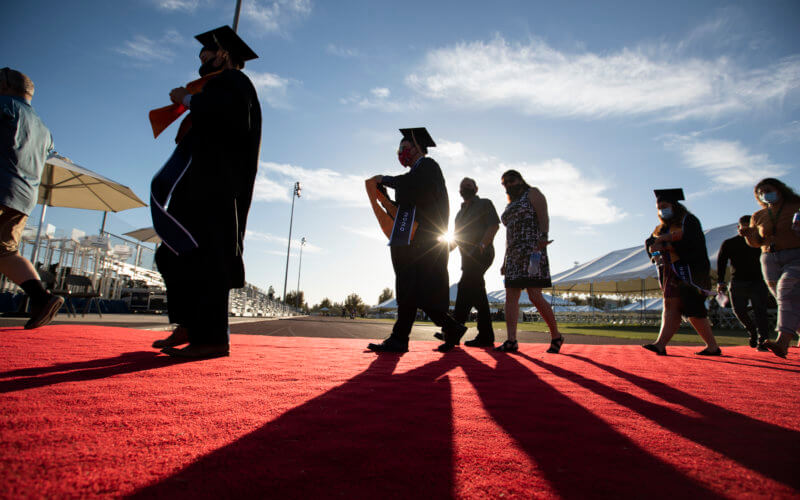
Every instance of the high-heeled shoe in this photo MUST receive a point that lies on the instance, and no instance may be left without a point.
(508, 346)
(555, 345)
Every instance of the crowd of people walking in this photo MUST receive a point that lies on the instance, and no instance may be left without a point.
(201, 197)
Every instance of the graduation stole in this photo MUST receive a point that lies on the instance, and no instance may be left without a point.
(161, 118)
(174, 236)
(397, 222)
(669, 260)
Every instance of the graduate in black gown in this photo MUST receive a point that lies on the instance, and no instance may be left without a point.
(209, 182)
(420, 266)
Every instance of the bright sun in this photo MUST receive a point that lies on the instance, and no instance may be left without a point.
(448, 237)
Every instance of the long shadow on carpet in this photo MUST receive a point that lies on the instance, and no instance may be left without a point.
(758, 445)
(94, 369)
(391, 435)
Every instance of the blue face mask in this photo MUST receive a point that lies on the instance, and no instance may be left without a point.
(665, 213)
(770, 197)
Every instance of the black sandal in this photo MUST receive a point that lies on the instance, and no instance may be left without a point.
(661, 351)
(555, 345)
(507, 346)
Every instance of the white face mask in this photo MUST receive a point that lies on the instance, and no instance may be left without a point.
(770, 197)
(665, 213)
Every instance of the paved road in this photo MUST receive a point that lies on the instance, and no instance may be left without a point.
(315, 326)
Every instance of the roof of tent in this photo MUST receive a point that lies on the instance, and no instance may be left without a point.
(653, 304)
(495, 297)
(566, 309)
(629, 269)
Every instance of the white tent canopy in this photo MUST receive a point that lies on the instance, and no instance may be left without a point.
(628, 270)
(495, 297)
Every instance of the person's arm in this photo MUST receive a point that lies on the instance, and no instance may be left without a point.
(539, 203)
(488, 236)
(722, 264)
(751, 235)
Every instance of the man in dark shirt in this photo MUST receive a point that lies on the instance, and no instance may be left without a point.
(420, 265)
(475, 226)
(747, 284)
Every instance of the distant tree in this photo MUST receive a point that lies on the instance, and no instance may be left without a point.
(271, 293)
(386, 294)
(292, 299)
(326, 302)
(353, 302)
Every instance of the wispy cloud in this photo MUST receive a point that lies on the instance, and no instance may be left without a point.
(570, 193)
(379, 98)
(183, 5)
(253, 236)
(728, 164)
(343, 52)
(786, 134)
(277, 15)
(271, 88)
(143, 49)
(274, 183)
(370, 233)
(538, 79)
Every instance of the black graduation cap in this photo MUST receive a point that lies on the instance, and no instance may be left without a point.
(418, 136)
(224, 37)
(669, 195)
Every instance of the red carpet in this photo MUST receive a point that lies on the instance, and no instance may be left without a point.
(92, 411)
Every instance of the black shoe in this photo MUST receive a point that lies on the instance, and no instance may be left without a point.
(555, 345)
(454, 337)
(776, 349)
(439, 335)
(44, 313)
(179, 336)
(195, 351)
(446, 347)
(389, 345)
(761, 347)
(479, 342)
(753, 341)
(661, 351)
(710, 352)
(508, 346)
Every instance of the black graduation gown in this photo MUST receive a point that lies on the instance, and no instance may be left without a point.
(213, 197)
(421, 268)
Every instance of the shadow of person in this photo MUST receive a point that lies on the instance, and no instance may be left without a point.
(379, 434)
(760, 446)
(578, 452)
(94, 369)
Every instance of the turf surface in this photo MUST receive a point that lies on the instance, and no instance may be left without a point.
(92, 411)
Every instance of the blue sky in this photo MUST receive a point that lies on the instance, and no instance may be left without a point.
(596, 103)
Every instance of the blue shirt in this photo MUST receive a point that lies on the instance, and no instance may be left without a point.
(25, 143)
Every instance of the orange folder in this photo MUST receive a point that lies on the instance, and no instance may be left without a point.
(385, 211)
(162, 118)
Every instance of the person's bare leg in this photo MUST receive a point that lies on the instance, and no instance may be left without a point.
(512, 312)
(17, 268)
(703, 328)
(535, 294)
(670, 321)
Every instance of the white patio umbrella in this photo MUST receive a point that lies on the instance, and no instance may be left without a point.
(145, 235)
(65, 184)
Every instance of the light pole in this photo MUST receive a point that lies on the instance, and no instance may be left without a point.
(299, 266)
(295, 193)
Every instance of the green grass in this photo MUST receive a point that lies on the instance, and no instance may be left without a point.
(641, 332)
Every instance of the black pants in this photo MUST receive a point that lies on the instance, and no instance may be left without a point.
(194, 302)
(754, 292)
(421, 282)
(472, 293)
